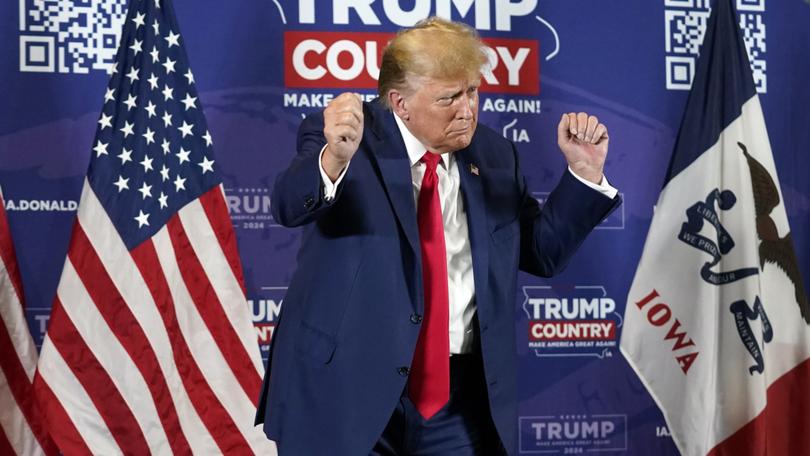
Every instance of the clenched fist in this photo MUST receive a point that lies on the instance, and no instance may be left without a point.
(584, 143)
(343, 129)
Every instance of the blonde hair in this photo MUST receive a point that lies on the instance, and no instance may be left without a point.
(434, 47)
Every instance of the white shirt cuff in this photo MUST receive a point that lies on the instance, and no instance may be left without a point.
(604, 187)
(329, 187)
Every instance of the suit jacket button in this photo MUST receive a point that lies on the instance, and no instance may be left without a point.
(416, 319)
(309, 202)
(403, 371)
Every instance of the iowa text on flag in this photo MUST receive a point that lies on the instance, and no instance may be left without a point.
(20, 422)
(150, 347)
(717, 323)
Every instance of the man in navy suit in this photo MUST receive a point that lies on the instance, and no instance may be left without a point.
(397, 334)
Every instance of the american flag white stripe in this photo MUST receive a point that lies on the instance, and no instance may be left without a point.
(206, 352)
(21, 430)
(211, 309)
(75, 401)
(17, 432)
(204, 242)
(114, 359)
(127, 278)
(15, 325)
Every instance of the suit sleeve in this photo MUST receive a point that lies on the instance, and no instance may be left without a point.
(550, 236)
(298, 196)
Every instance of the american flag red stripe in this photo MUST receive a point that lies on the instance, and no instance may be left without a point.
(138, 313)
(5, 445)
(94, 378)
(213, 203)
(214, 417)
(71, 441)
(115, 312)
(211, 311)
(21, 427)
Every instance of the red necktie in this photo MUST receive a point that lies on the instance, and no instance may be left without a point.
(429, 382)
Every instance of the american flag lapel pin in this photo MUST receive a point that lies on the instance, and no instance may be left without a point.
(473, 169)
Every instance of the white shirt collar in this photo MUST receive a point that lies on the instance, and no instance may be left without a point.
(414, 147)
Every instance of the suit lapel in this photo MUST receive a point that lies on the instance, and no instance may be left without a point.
(469, 169)
(388, 150)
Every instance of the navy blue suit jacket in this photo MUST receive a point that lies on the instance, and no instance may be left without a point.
(345, 336)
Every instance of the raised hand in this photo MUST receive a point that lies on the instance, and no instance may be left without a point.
(584, 143)
(343, 129)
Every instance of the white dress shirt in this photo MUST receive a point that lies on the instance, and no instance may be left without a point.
(460, 283)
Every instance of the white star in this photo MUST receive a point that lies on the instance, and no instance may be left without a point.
(104, 121)
(101, 149)
(146, 190)
(121, 184)
(125, 156)
(127, 129)
(153, 82)
(162, 198)
(143, 219)
(167, 119)
(150, 108)
(164, 173)
(179, 184)
(207, 138)
(147, 164)
(172, 39)
(167, 93)
(165, 145)
(149, 135)
(190, 77)
(206, 165)
(157, 3)
(130, 102)
(155, 54)
(186, 128)
(109, 96)
(183, 155)
(133, 75)
(169, 65)
(156, 27)
(136, 47)
(138, 20)
(189, 101)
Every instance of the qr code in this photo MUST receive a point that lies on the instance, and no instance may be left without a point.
(69, 36)
(685, 27)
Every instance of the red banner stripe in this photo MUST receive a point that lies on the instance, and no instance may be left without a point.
(783, 427)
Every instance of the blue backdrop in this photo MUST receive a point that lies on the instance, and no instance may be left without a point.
(260, 65)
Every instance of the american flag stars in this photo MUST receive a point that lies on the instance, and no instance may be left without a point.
(152, 126)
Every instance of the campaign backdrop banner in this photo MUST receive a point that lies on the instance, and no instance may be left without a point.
(262, 65)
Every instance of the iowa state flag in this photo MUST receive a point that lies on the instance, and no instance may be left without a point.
(717, 322)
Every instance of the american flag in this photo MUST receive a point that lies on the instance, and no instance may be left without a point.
(22, 428)
(150, 347)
